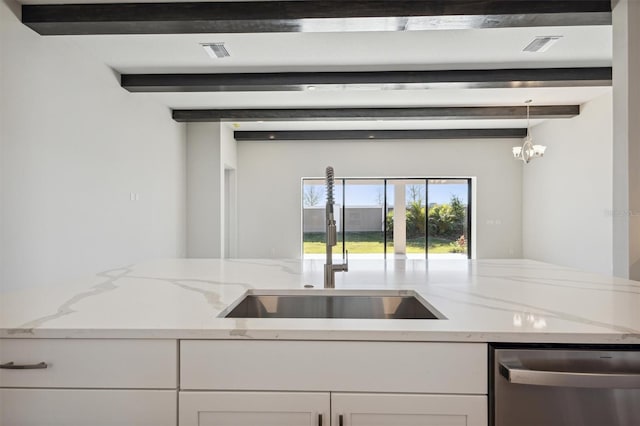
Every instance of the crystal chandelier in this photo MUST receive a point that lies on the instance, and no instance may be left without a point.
(528, 150)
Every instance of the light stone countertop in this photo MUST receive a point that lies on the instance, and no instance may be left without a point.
(483, 300)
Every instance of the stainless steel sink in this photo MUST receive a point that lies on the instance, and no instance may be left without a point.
(351, 304)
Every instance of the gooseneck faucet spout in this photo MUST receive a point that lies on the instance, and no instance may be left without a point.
(329, 268)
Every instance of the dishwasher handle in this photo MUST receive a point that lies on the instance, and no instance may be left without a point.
(516, 373)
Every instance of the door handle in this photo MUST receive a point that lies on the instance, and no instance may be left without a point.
(340, 420)
(319, 419)
(515, 372)
(12, 366)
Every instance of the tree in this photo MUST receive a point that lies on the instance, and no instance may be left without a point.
(311, 196)
(379, 197)
(416, 219)
(415, 194)
(441, 220)
(459, 214)
(447, 220)
(415, 212)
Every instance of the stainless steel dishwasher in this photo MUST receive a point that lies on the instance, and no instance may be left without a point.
(565, 387)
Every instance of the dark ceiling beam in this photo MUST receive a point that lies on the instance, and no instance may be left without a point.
(388, 80)
(331, 135)
(309, 16)
(411, 113)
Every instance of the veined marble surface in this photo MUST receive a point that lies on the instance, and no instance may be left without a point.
(483, 300)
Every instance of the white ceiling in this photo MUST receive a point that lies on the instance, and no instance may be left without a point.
(589, 46)
(409, 50)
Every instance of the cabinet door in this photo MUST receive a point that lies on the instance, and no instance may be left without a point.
(408, 410)
(85, 407)
(254, 408)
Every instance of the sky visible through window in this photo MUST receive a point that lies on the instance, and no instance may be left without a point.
(371, 194)
(438, 193)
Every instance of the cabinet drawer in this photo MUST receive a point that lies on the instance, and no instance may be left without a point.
(334, 366)
(84, 407)
(89, 363)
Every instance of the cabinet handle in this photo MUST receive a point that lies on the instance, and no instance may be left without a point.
(12, 366)
(340, 420)
(319, 419)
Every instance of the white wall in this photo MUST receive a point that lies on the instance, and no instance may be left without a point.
(270, 173)
(228, 188)
(626, 142)
(567, 208)
(203, 190)
(75, 145)
(211, 149)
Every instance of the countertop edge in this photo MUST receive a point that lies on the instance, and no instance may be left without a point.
(334, 335)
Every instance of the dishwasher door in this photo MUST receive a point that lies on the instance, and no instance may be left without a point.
(558, 387)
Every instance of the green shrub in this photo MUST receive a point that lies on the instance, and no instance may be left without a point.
(445, 220)
(459, 245)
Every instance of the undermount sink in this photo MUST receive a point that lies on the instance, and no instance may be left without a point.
(348, 304)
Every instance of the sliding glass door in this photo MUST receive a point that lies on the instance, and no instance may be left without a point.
(364, 217)
(448, 220)
(314, 200)
(408, 218)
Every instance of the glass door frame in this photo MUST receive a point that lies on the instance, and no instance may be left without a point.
(343, 182)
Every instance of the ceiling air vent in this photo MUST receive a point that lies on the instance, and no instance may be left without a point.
(541, 44)
(215, 50)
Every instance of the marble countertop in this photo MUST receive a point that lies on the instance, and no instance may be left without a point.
(483, 300)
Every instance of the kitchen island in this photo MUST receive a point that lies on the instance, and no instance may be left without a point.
(145, 344)
(483, 301)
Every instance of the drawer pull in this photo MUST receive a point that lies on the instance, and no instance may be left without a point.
(12, 366)
(319, 419)
(340, 420)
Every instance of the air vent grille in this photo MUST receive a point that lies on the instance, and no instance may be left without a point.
(215, 50)
(541, 44)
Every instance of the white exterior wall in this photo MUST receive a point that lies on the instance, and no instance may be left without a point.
(75, 145)
(270, 173)
(567, 216)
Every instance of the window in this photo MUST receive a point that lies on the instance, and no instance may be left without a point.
(410, 217)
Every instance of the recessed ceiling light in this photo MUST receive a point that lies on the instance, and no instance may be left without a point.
(541, 43)
(311, 88)
(260, 121)
(215, 50)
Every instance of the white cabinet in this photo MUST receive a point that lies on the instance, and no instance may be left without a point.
(312, 366)
(97, 382)
(254, 409)
(408, 410)
(325, 409)
(90, 363)
(249, 383)
(87, 407)
(120, 382)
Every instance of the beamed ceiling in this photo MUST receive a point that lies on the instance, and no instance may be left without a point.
(345, 69)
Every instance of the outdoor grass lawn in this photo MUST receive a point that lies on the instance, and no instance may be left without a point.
(371, 242)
